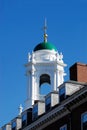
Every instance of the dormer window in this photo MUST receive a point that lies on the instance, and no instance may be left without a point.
(84, 121)
(62, 94)
(35, 112)
(4, 128)
(48, 103)
(24, 119)
(14, 125)
(64, 127)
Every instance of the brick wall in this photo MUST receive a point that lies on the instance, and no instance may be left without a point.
(78, 72)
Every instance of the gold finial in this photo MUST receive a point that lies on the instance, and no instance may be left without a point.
(45, 31)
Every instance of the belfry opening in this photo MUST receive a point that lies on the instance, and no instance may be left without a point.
(44, 78)
(45, 84)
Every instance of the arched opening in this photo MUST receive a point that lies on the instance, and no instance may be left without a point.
(45, 84)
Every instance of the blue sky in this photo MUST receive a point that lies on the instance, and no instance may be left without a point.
(21, 23)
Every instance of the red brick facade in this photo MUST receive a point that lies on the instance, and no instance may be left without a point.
(78, 72)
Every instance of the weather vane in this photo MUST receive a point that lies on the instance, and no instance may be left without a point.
(45, 31)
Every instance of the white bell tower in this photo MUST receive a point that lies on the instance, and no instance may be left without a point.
(45, 64)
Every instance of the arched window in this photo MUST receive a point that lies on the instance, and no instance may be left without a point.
(45, 84)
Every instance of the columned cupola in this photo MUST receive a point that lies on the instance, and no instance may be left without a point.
(45, 65)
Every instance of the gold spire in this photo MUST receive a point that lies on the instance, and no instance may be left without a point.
(45, 31)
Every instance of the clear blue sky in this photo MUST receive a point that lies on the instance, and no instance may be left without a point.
(21, 23)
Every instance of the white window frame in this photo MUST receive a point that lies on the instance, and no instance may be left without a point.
(82, 119)
(64, 126)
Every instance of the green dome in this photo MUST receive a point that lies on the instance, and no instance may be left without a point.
(46, 46)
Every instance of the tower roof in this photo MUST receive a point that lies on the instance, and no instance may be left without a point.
(46, 46)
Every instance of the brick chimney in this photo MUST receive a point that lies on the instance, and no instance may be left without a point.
(78, 72)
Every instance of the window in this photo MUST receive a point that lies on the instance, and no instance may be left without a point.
(45, 84)
(62, 93)
(24, 119)
(48, 103)
(84, 121)
(29, 116)
(35, 112)
(4, 128)
(14, 125)
(64, 127)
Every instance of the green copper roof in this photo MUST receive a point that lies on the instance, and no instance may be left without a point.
(46, 46)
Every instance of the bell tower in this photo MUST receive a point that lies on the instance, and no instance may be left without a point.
(45, 65)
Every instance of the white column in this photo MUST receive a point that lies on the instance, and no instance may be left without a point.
(53, 81)
(28, 102)
(32, 86)
(37, 88)
(54, 87)
(57, 79)
(62, 76)
(29, 87)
